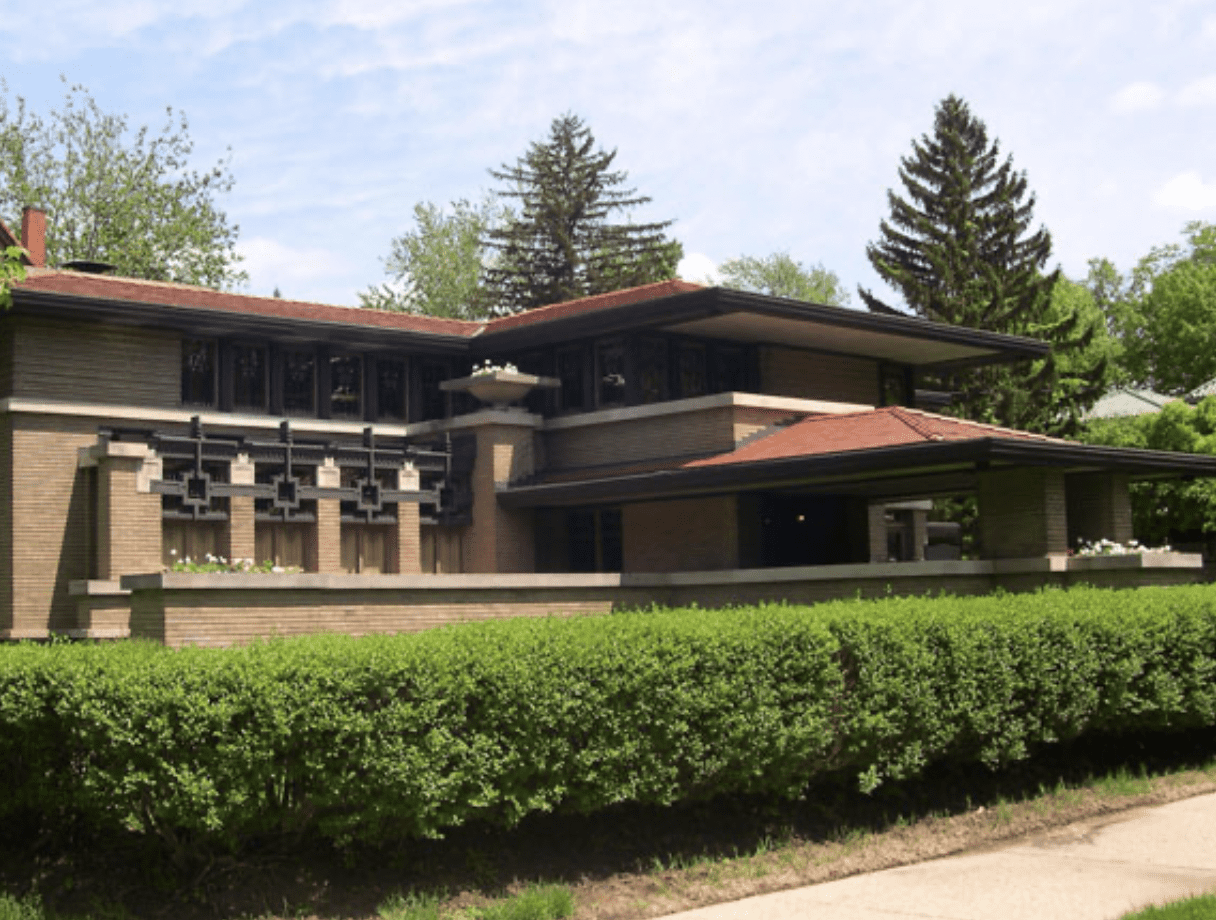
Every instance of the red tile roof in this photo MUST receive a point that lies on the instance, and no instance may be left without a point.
(598, 302)
(160, 293)
(892, 426)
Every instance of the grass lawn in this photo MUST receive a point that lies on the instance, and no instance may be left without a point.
(1200, 908)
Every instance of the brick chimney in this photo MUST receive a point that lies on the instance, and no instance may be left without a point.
(33, 235)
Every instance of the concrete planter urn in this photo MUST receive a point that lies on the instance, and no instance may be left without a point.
(498, 388)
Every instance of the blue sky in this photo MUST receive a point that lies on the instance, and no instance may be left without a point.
(777, 126)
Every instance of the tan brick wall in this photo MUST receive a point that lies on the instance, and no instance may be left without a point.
(6, 362)
(407, 548)
(499, 540)
(242, 529)
(6, 522)
(812, 375)
(697, 534)
(47, 545)
(328, 536)
(1022, 514)
(125, 366)
(128, 521)
(1098, 507)
(655, 437)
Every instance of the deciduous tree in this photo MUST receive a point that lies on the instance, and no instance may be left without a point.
(436, 268)
(783, 276)
(130, 199)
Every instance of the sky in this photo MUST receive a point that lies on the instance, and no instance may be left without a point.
(770, 127)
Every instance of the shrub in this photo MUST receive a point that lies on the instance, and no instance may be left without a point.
(363, 739)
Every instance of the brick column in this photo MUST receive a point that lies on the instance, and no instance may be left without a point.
(876, 527)
(407, 549)
(1098, 507)
(128, 511)
(242, 531)
(500, 540)
(1023, 513)
(328, 534)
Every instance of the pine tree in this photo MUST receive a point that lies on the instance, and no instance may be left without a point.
(562, 244)
(960, 250)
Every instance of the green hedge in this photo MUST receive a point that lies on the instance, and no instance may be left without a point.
(359, 739)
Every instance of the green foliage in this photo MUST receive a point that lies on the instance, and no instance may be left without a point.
(436, 267)
(960, 250)
(27, 908)
(1163, 511)
(1164, 313)
(1202, 907)
(11, 269)
(563, 244)
(371, 739)
(132, 201)
(538, 902)
(782, 276)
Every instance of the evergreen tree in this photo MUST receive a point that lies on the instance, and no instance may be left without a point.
(562, 243)
(960, 250)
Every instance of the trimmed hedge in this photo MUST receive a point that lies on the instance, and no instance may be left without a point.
(362, 739)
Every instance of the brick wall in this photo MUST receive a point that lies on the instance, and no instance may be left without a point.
(129, 521)
(166, 610)
(699, 534)
(328, 537)
(499, 540)
(125, 366)
(6, 522)
(47, 545)
(1022, 513)
(1098, 507)
(813, 375)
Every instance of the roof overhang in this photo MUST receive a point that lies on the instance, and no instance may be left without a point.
(204, 322)
(720, 313)
(909, 470)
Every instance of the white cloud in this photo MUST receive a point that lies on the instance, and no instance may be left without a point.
(1187, 192)
(271, 264)
(1200, 92)
(699, 268)
(1137, 97)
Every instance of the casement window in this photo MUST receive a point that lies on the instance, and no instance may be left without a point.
(691, 375)
(299, 382)
(650, 356)
(611, 374)
(249, 377)
(391, 389)
(199, 373)
(346, 387)
(431, 402)
(572, 366)
(595, 539)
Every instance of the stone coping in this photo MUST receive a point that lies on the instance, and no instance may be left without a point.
(184, 581)
(701, 404)
(93, 587)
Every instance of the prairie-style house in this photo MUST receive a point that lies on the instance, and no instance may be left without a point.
(663, 436)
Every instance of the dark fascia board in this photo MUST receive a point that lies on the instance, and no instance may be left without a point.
(201, 321)
(691, 305)
(854, 466)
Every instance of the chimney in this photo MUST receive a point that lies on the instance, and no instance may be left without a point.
(33, 235)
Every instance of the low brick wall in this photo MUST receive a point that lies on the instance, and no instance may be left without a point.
(219, 610)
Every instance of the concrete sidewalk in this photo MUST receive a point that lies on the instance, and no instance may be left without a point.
(1097, 869)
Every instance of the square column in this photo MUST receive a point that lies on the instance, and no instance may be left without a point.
(242, 531)
(1023, 513)
(407, 549)
(328, 534)
(500, 540)
(128, 511)
(1099, 507)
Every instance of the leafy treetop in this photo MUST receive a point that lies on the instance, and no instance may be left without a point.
(783, 276)
(131, 201)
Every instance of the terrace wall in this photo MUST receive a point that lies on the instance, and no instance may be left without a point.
(219, 610)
